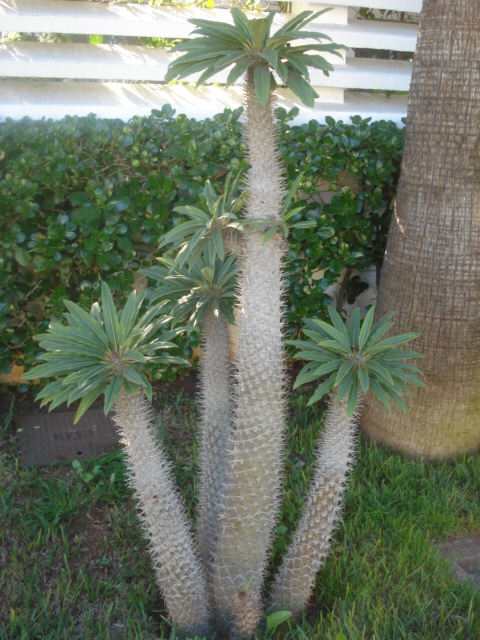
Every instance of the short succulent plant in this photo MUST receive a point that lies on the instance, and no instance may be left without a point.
(103, 352)
(355, 361)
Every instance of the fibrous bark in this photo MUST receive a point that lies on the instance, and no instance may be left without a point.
(178, 571)
(431, 273)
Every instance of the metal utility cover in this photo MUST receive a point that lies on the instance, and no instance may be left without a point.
(48, 438)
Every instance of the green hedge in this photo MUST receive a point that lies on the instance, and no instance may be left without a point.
(84, 199)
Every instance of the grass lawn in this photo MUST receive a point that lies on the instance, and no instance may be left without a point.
(74, 564)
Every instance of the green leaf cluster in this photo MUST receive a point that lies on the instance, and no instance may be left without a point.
(101, 352)
(360, 163)
(206, 283)
(356, 360)
(207, 225)
(249, 44)
(87, 199)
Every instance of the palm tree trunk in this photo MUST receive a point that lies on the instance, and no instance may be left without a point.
(335, 456)
(179, 574)
(215, 434)
(431, 273)
(252, 492)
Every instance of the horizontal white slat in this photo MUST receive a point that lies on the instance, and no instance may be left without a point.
(113, 62)
(118, 100)
(373, 34)
(82, 61)
(67, 16)
(409, 6)
(365, 73)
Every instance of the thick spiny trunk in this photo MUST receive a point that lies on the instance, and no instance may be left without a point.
(215, 433)
(335, 455)
(431, 274)
(178, 570)
(252, 492)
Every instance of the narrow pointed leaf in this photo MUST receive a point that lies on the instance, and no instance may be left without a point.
(302, 89)
(88, 322)
(365, 329)
(352, 397)
(87, 401)
(364, 379)
(380, 329)
(110, 318)
(343, 370)
(262, 82)
(130, 312)
(340, 326)
(354, 327)
(111, 393)
(346, 384)
(322, 389)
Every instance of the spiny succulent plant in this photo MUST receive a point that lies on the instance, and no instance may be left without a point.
(103, 352)
(355, 361)
(251, 495)
(202, 292)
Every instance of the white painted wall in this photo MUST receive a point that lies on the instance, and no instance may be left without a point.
(53, 79)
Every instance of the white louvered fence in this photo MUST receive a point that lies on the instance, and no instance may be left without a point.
(53, 79)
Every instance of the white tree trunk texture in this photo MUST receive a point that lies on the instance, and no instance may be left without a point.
(178, 571)
(324, 504)
(253, 489)
(215, 432)
(431, 274)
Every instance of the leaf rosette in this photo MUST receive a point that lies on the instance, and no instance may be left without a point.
(355, 359)
(102, 352)
(249, 43)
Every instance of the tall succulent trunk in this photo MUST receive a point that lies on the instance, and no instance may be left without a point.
(215, 434)
(335, 455)
(252, 492)
(431, 271)
(178, 571)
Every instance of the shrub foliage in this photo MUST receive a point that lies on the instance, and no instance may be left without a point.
(85, 199)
